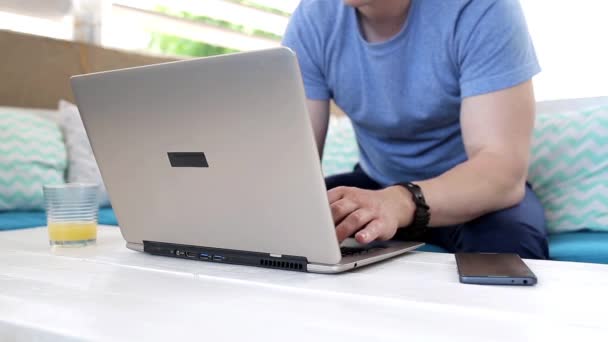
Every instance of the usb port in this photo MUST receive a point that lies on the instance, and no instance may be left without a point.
(218, 258)
(204, 256)
(192, 255)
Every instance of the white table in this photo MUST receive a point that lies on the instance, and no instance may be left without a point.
(107, 292)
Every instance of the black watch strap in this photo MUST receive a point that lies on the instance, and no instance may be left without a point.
(422, 215)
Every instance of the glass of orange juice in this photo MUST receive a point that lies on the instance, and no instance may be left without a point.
(71, 212)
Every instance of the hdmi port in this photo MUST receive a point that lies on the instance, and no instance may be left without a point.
(218, 258)
(192, 255)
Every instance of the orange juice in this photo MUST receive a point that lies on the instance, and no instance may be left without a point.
(72, 231)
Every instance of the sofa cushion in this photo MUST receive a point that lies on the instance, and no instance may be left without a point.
(432, 248)
(584, 246)
(10, 220)
(107, 217)
(569, 169)
(340, 153)
(32, 154)
(82, 165)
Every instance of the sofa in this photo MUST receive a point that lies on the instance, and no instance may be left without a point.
(580, 239)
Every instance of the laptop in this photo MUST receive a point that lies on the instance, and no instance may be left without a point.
(214, 159)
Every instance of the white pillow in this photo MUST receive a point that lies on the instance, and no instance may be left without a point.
(82, 167)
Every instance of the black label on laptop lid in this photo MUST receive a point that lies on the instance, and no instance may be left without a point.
(188, 159)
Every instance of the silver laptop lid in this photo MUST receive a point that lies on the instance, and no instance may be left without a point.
(215, 152)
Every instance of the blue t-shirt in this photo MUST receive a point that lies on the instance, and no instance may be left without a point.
(404, 95)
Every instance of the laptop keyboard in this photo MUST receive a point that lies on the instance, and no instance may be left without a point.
(356, 251)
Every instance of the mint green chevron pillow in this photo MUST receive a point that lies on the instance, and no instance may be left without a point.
(340, 153)
(32, 153)
(569, 169)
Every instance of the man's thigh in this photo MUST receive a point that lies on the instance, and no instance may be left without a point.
(520, 229)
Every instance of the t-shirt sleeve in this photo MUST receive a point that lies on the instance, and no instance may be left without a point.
(494, 48)
(305, 40)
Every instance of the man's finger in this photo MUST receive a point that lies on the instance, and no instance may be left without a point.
(353, 222)
(336, 194)
(370, 232)
(342, 208)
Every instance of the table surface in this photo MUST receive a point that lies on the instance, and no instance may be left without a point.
(107, 292)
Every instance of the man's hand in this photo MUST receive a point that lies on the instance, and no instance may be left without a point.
(372, 215)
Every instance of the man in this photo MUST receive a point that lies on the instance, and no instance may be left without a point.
(440, 96)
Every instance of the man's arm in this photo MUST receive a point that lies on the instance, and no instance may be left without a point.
(318, 110)
(497, 129)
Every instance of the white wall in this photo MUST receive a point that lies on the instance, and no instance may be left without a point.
(49, 9)
(571, 39)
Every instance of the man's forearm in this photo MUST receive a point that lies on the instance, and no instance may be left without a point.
(483, 184)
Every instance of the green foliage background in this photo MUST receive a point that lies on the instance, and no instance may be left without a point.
(174, 45)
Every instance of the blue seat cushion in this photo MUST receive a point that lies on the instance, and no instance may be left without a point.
(432, 248)
(107, 217)
(27, 219)
(583, 246)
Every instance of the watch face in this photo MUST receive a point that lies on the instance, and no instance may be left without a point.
(417, 193)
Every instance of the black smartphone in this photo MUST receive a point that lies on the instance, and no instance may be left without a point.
(493, 269)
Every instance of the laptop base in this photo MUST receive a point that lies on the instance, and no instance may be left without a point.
(377, 252)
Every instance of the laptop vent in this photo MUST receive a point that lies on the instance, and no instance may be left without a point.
(288, 265)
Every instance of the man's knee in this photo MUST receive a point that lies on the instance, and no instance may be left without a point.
(505, 237)
(520, 229)
(508, 231)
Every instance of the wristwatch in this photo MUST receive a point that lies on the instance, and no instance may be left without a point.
(422, 216)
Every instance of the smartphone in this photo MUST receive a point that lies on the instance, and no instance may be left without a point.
(493, 269)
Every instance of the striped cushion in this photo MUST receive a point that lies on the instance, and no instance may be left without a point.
(32, 153)
(569, 169)
(340, 153)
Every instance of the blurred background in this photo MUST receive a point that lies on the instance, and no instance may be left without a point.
(570, 37)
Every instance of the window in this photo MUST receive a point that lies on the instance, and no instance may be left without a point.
(569, 36)
(570, 40)
(197, 28)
